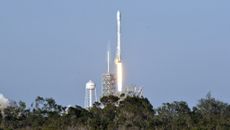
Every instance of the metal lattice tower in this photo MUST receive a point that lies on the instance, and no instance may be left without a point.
(108, 80)
(108, 84)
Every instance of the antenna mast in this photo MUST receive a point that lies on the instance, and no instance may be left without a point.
(108, 61)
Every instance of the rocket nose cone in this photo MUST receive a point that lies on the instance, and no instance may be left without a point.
(118, 14)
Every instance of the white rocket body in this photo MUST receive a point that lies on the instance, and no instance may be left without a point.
(118, 62)
(118, 58)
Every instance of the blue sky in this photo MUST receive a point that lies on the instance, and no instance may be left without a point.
(175, 50)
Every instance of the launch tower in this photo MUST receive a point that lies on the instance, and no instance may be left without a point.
(108, 80)
(112, 84)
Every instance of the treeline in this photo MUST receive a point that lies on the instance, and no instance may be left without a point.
(117, 113)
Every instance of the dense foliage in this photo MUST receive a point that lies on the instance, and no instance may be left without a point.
(113, 113)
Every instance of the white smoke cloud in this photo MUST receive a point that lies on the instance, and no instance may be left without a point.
(4, 102)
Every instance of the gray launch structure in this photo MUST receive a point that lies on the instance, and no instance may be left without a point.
(108, 83)
(108, 80)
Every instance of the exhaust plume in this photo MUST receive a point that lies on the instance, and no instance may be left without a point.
(4, 102)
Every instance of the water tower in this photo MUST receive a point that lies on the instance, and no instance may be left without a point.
(90, 94)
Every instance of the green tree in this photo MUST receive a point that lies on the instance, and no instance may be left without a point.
(103, 114)
(214, 114)
(76, 117)
(173, 116)
(109, 100)
(1, 119)
(135, 113)
(15, 117)
(118, 113)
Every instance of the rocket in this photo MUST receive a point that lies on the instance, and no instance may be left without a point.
(118, 62)
(118, 53)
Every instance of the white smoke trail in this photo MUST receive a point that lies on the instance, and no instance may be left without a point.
(4, 102)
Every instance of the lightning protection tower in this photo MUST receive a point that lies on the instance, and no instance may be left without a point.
(108, 80)
(90, 94)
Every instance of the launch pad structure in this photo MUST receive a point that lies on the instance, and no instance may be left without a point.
(112, 83)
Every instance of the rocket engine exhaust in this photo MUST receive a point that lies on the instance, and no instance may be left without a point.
(119, 76)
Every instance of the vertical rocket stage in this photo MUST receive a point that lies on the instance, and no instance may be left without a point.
(118, 55)
(119, 67)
